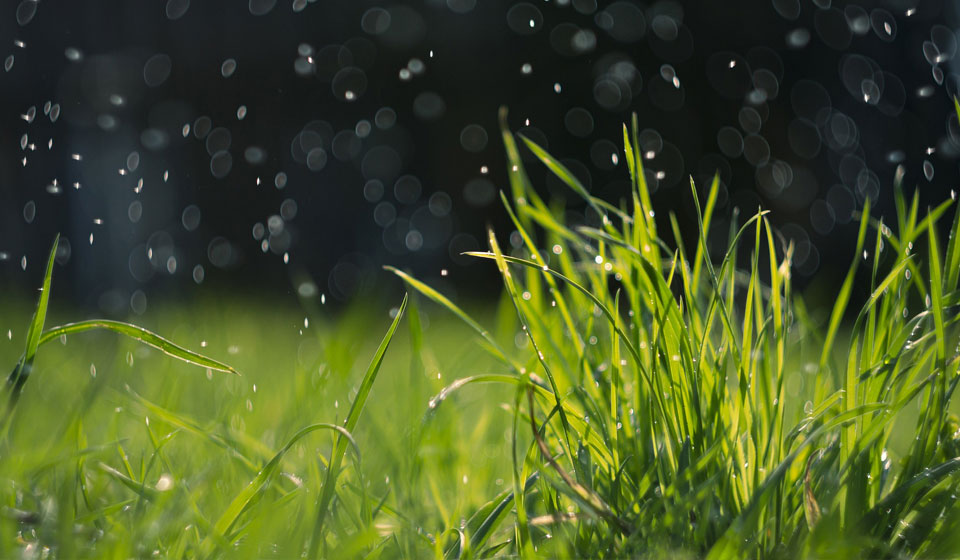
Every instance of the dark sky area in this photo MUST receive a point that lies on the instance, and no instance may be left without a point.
(274, 146)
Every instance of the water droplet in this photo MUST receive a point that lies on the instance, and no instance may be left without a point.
(937, 74)
(261, 7)
(871, 92)
(157, 70)
(228, 67)
(884, 24)
(524, 18)
(26, 11)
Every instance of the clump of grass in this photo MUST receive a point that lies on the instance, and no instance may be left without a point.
(670, 403)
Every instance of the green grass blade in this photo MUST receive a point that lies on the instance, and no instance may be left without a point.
(441, 299)
(22, 371)
(142, 335)
(562, 173)
(40, 315)
(707, 218)
(336, 454)
(843, 297)
(936, 296)
(138, 488)
(952, 262)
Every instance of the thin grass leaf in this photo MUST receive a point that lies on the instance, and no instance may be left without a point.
(24, 367)
(141, 335)
(444, 301)
(843, 297)
(562, 173)
(356, 408)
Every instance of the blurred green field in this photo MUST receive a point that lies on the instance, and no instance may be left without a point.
(94, 403)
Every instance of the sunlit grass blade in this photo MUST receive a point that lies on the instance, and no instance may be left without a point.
(23, 369)
(952, 262)
(40, 315)
(936, 296)
(444, 301)
(562, 173)
(843, 297)
(141, 335)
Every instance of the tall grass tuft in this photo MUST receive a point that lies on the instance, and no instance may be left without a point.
(669, 402)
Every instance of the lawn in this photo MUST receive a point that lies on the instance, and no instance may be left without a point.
(628, 395)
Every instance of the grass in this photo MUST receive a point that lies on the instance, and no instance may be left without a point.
(632, 396)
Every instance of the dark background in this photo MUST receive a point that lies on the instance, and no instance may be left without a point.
(804, 108)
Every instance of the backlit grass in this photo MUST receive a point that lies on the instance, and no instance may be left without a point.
(630, 396)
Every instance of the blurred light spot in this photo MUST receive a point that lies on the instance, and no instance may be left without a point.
(429, 106)
(190, 218)
(261, 7)
(228, 67)
(157, 69)
(524, 18)
(473, 138)
(176, 9)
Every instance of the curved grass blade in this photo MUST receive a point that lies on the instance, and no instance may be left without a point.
(562, 173)
(917, 485)
(139, 334)
(441, 299)
(138, 488)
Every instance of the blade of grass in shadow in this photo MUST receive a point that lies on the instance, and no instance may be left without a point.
(336, 454)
